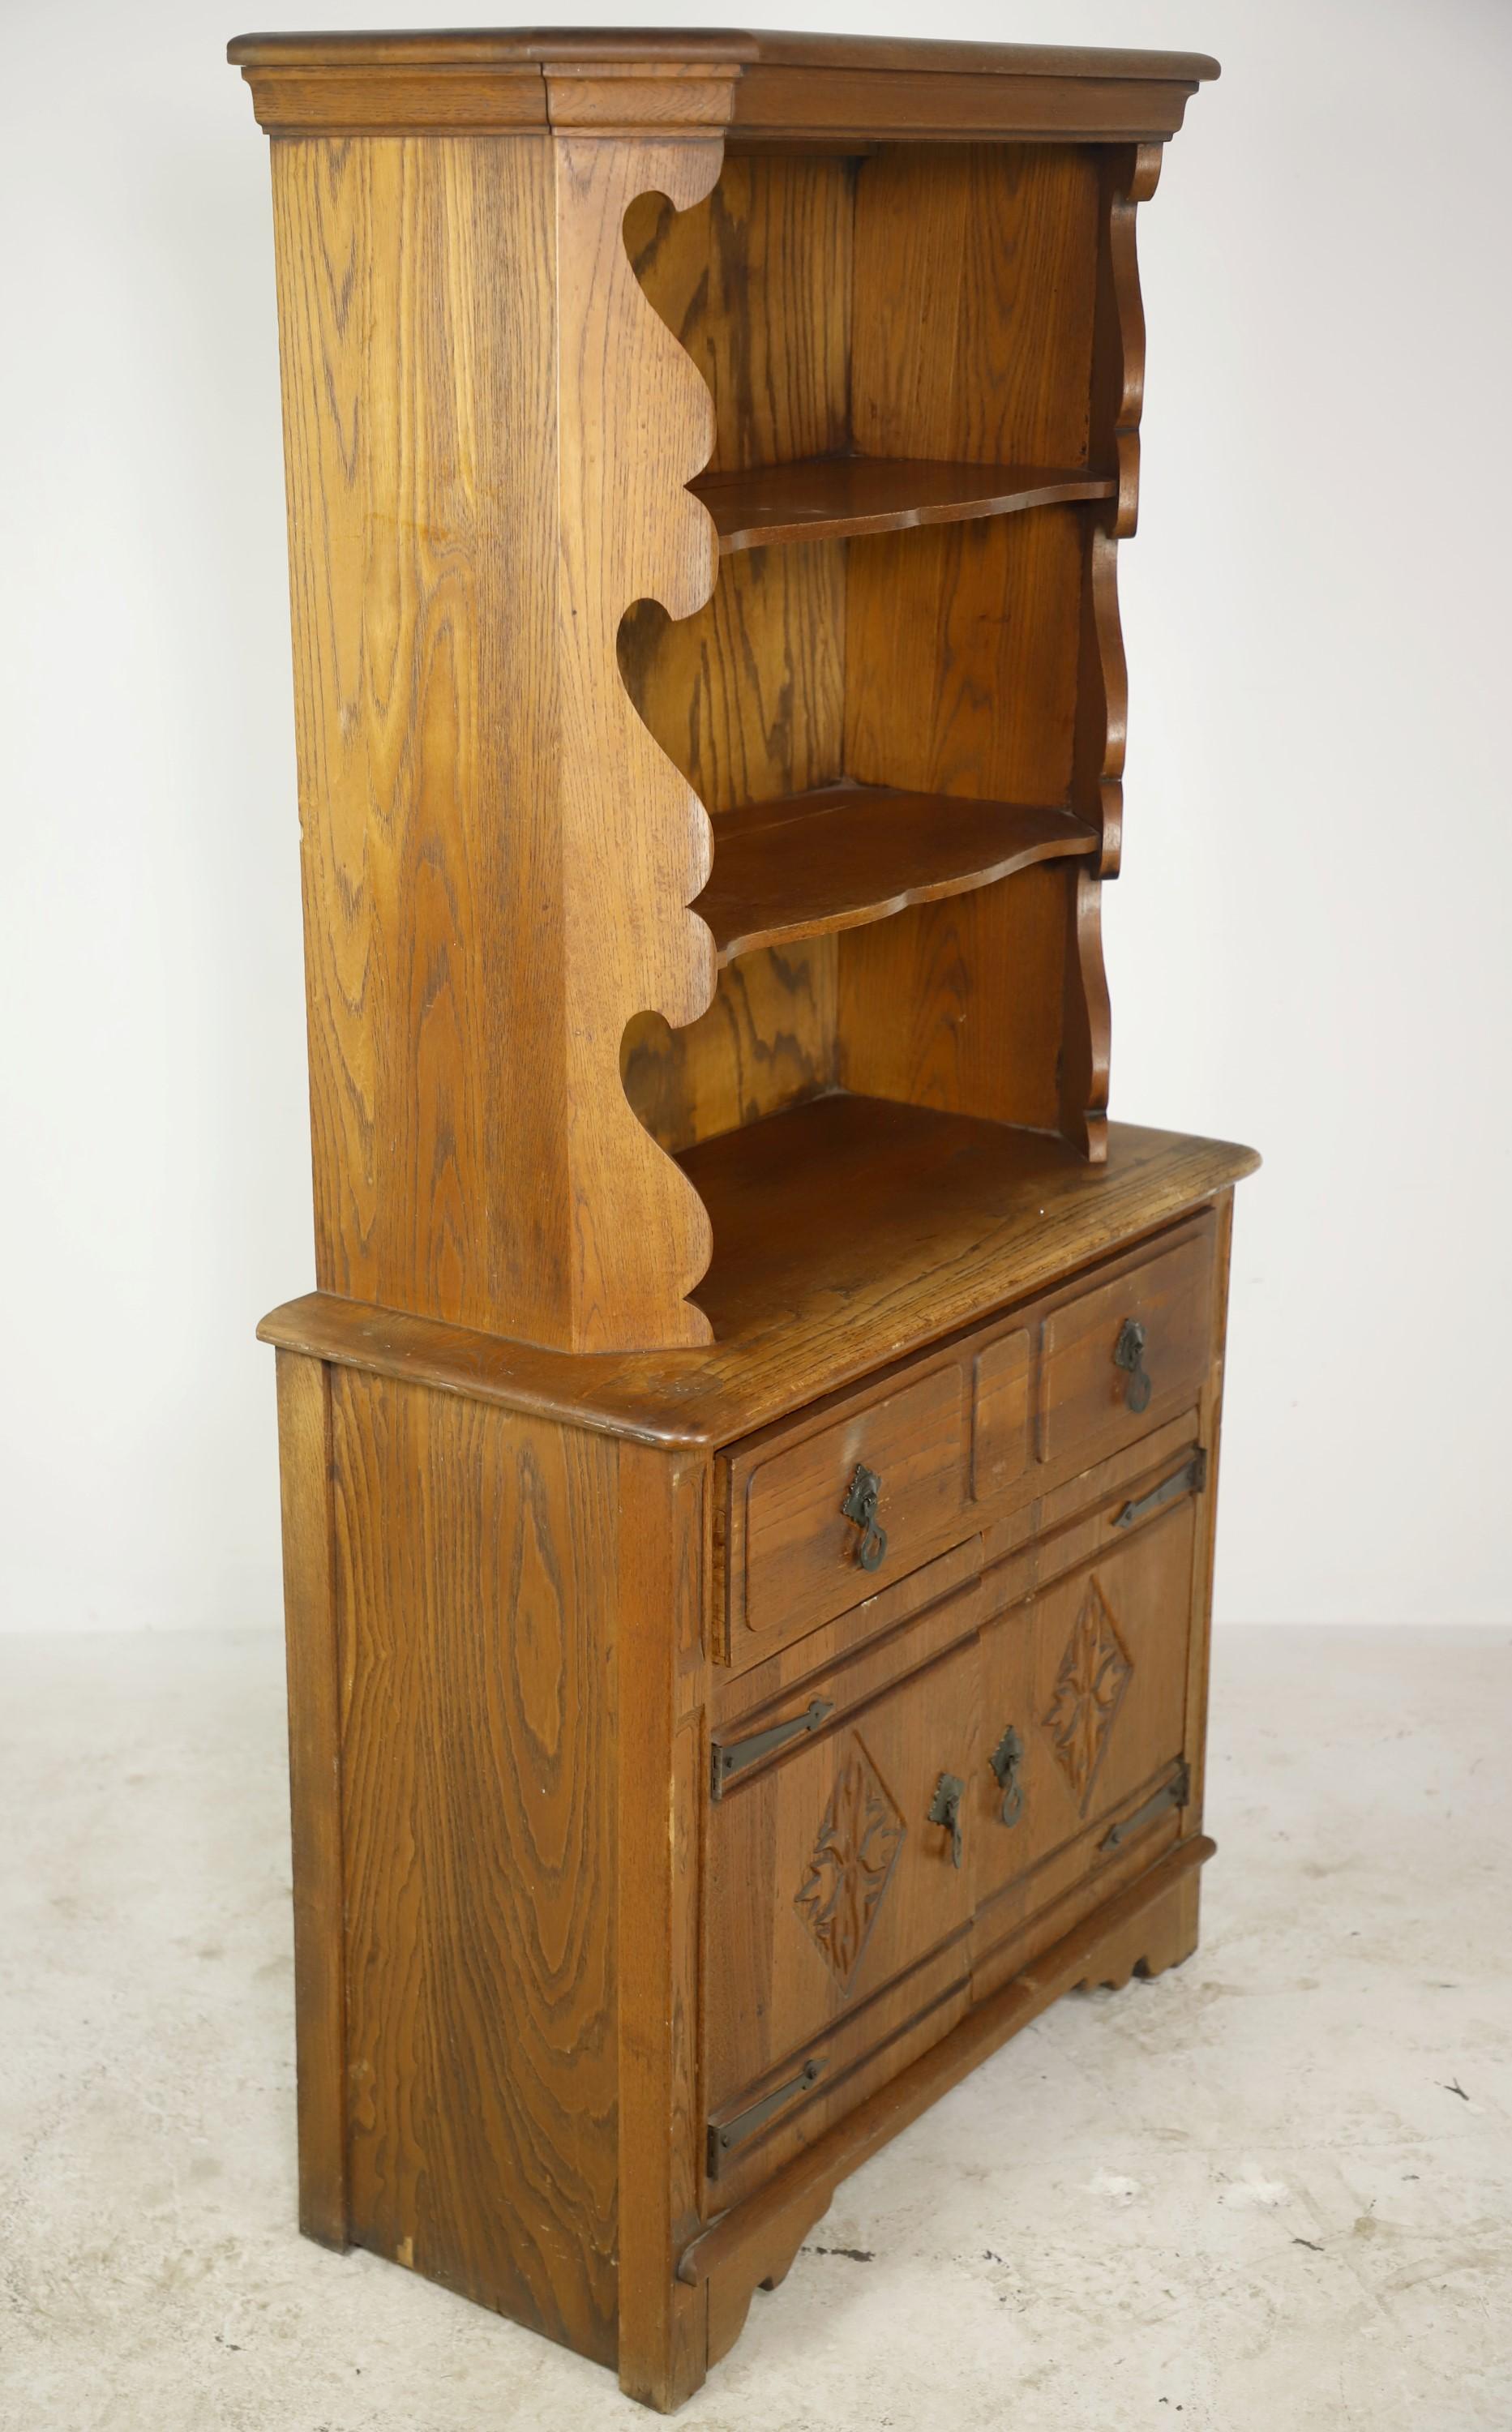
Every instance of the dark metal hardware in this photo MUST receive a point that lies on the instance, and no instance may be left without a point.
(1006, 1759)
(733, 1756)
(944, 1808)
(1128, 1354)
(723, 2136)
(860, 1507)
(1193, 1476)
(1174, 1793)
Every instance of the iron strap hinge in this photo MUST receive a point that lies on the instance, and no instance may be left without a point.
(723, 2135)
(1191, 1476)
(1174, 1793)
(733, 1756)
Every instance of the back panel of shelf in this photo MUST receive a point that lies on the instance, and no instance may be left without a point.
(927, 305)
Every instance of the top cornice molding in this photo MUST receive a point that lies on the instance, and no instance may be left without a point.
(769, 88)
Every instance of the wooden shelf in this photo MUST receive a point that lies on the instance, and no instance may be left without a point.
(846, 855)
(829, 497)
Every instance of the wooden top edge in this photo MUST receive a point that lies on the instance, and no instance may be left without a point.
(538, 46)
(703, 1399)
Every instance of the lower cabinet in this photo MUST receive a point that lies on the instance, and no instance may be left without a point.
(899, 1831)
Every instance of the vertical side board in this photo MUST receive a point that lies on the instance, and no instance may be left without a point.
(663, 1754)
(314, 1792)
(476, 1589)
(417, 317)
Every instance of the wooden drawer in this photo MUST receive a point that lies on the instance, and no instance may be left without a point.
(792, 1558)
(1114, 1355)
(950, 1441)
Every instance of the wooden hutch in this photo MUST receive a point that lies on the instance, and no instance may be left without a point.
(749, 1463)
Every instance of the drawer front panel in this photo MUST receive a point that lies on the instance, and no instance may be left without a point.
(1090, 1676)
(798, 1558)
(827, 1882)
(1111, 1354)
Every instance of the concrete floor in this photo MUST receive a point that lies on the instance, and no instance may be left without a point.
(1270, 2190)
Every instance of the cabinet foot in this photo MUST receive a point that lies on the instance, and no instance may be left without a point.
(1161, 1938)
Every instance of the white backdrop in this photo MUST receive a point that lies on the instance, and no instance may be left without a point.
(1306, 949)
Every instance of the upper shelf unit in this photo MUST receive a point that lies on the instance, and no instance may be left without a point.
(838, 497)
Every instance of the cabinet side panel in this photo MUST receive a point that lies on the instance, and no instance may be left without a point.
(476, 1581)
(415, 305)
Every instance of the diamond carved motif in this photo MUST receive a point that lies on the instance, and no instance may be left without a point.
(851, 1865)
(1089, 1690)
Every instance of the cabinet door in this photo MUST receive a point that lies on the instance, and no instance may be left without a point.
(1089, 1676)
(828, 1887)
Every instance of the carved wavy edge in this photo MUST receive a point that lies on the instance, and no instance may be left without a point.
(648, 431)
(1130, 179)
(683, 188)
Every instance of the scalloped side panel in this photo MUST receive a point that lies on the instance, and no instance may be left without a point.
(637, 423)
(1130, 179)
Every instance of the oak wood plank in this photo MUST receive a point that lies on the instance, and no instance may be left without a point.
(476, 1592)
(315, 1793)
(661, 1521)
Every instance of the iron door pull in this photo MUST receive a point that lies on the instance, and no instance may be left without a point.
(1192, 1473)
(1006, 1759)
(1128, 1354)
(1174, 1793)
(860, 1506)
(724, 2139)
(733, 1756)
(944, 1808)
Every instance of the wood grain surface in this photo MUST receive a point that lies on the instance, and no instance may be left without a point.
(475, 1582)
(845, 855)
(853, 1232)
(767, 1043)
(755, 283)
(635, 423)
(974, 284)
(836, 497)
(747, 698)
(400, 571)
(661, 1522)
(314, 1793)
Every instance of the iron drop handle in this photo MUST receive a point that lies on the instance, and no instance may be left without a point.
(1006, 1759)
(944, 1808)
(860, 1506)
(1128, 1354)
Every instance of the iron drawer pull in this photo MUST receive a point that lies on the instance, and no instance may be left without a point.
(723, 2140)
(1192, 1473)
(861, 1497)
(1006, 1759)
(733, 1756)
(1128, 1354)
(1174, 1793)
(944, 1808)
